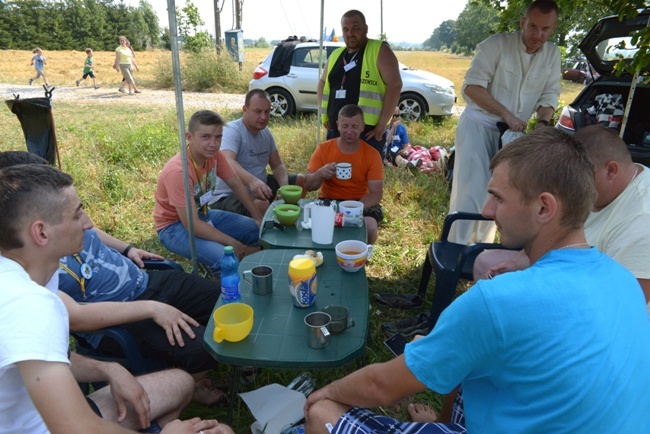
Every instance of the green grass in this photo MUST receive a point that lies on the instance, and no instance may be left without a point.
(115, 157)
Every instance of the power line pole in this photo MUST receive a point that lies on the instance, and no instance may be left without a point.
(217, 24)
(238, 13)
(381, 19)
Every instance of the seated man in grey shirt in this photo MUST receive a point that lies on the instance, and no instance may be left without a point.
(249, 147)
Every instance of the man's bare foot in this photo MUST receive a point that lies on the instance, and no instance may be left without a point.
(422, 413)
(205, 393)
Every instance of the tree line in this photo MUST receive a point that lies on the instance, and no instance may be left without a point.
(482, 18)
(76, 24)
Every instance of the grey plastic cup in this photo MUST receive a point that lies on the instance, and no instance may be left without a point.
(261, 279)
(340, 315)
(318, 335)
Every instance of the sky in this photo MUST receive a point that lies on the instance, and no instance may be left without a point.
(404, 20)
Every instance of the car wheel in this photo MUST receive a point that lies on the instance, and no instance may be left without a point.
(412, 106)
(282, 104)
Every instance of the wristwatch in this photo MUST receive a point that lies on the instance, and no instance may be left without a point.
(544, 122)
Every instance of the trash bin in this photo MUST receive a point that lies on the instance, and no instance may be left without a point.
(35, 116)
(235, 44)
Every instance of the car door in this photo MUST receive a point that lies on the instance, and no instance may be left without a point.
(303, 76)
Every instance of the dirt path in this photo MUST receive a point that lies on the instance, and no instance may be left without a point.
(110, 95)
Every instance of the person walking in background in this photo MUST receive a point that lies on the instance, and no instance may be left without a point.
(125, 62)
(88, 68)
(121, 88)
(38, 62)
(512, 76)
(366, 73)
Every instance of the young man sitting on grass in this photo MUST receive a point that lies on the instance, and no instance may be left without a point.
(42, 221)
(213, 229)
(165, 311)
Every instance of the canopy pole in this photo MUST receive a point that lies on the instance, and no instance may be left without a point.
(180, 116)
(320, 70)
(630, 97)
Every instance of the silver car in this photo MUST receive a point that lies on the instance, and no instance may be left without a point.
(290, 75)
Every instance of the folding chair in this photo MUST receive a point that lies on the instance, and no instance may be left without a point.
(450, 262)
(37, 121)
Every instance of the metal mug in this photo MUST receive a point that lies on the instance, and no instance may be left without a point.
(340, 315)
(261, 279)
(318, 335)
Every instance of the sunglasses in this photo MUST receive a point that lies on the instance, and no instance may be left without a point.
(395, 116)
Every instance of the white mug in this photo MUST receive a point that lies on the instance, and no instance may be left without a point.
(344, 170)
(351, 208)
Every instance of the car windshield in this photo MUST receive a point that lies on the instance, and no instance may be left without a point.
(616, 48)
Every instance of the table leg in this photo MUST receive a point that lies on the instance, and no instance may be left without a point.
(233, 393)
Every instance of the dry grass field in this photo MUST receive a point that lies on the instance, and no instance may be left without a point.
(64, 67)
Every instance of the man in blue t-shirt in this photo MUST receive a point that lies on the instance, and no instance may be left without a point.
(167, 310)
(546, 349)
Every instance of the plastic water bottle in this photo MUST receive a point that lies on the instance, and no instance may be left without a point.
(230, 276)
(298, 429)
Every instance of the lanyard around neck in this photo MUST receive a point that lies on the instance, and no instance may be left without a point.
(81, 280)
(202, 188)
(345, 63)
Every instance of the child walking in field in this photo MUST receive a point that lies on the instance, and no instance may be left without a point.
(88, 68)
(38, 61)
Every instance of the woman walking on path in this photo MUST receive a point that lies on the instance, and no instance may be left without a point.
(124, 61)
(38, 61)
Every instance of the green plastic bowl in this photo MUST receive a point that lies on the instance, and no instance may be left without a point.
(287, 214)
(291, 193)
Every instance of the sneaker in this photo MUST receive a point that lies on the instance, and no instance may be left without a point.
(408, 326)
(96, 87)
(121, 89)
(137, 91)
(31, 80)
(131, 93)
(400, 301)
(77, 83)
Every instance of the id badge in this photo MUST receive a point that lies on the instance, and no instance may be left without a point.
(394, 149)
(350, 65)
(340, 94)
(205, 198)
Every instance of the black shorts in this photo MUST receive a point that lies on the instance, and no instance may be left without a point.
(88, 74)
(192, 295)
(94, 407)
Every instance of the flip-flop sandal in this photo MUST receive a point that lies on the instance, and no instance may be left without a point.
(406, 326)
(247, 374)
(400, 301)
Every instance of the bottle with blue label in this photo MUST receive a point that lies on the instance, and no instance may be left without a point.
(298, 429)
(303, 282)
(230, 276)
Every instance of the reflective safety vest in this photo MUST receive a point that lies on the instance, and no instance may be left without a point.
(372, 87)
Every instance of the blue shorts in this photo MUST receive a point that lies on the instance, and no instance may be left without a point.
(362, 421)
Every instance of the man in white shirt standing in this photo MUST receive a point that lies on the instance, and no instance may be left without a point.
(511, 76)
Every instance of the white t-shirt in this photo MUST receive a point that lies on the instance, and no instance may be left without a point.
(622, 229)
(33, 326)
